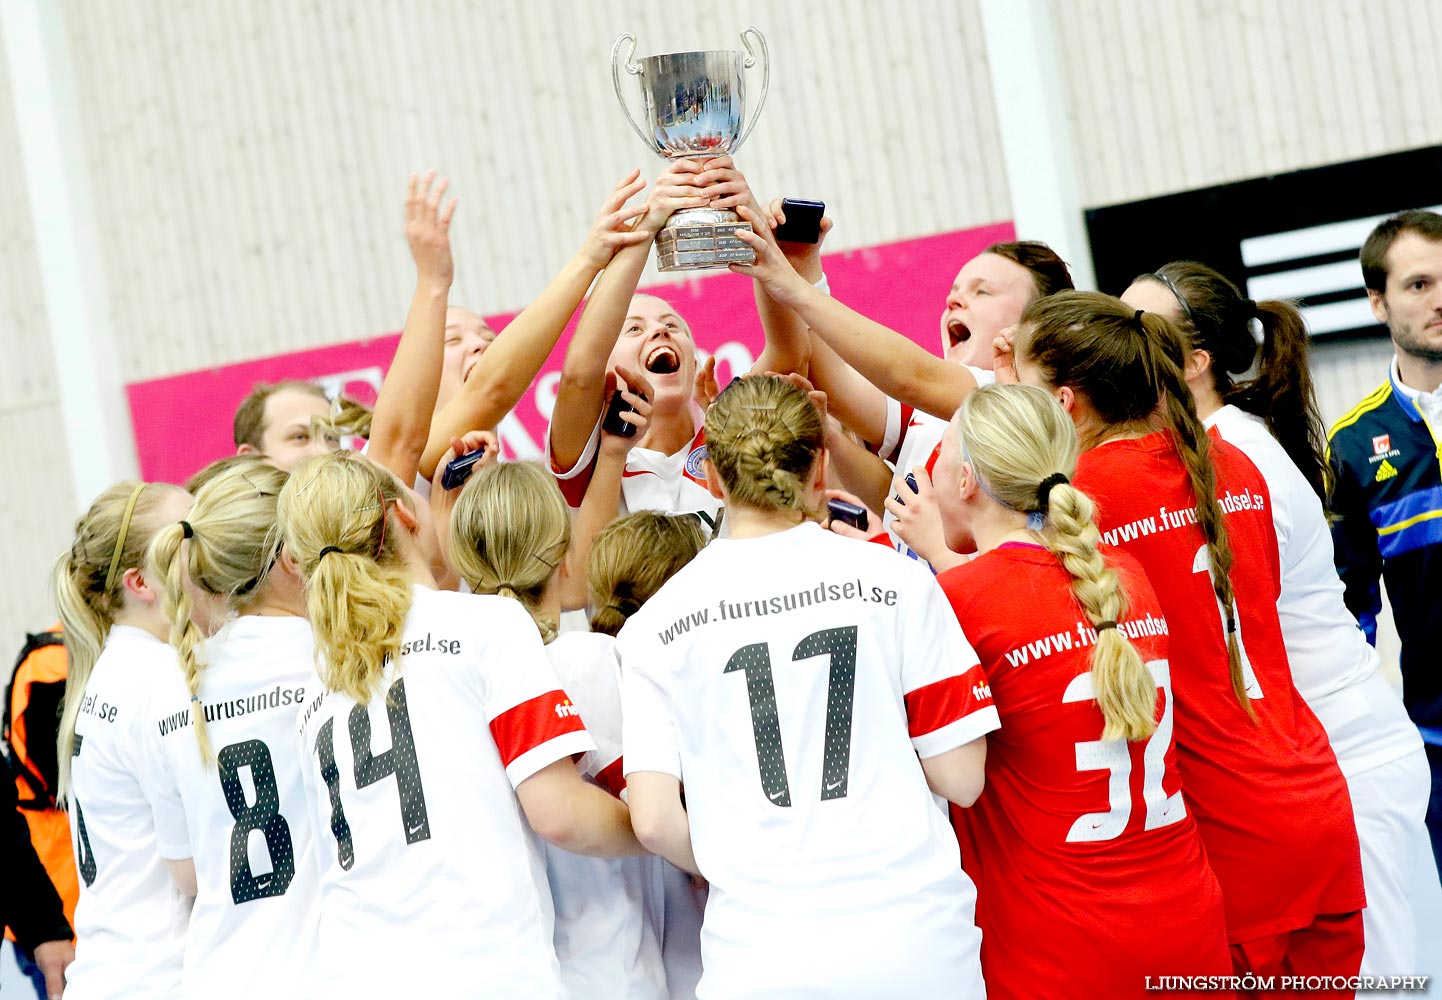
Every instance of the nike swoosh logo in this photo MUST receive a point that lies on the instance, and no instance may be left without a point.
(776, 795)
(833, 786)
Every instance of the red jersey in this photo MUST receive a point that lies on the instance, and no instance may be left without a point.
(1089, 870)
(1269, 799)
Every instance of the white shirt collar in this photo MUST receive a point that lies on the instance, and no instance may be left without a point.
(1429, 403)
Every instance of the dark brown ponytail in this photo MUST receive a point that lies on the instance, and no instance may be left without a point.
(1217, 318)
(1127, 363)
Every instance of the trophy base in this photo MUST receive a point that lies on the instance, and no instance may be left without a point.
(699, 239)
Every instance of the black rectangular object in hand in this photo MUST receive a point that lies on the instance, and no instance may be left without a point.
(803, 221)
(458, 470)
(848, 513)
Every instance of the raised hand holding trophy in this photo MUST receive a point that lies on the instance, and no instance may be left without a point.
(695, 105)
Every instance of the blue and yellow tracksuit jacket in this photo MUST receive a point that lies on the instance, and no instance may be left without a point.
(1387, 496)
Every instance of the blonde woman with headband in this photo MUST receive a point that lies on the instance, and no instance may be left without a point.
(226, 727)
(511, 536)
(791, 679)
(1112, 892)
(437, 738)
(130, 921)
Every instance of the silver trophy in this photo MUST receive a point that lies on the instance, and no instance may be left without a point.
(695, 104)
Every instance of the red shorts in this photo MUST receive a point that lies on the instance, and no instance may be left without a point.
(1330, 946)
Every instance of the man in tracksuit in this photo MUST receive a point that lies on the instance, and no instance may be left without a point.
(1386, 456)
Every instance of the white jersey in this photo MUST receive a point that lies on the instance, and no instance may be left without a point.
(652, 480)
(431, 879)
(911, 438)
(1333, 666)
(790, 682)
(247, 821)
(606, 945)
(131, 918)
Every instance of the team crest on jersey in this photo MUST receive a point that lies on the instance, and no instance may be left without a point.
(1382, 444)
(696, 464)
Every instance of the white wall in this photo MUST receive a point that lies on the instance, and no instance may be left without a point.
(247, 159)
(36, 498)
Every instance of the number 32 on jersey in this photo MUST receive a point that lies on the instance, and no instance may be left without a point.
(1115, 756)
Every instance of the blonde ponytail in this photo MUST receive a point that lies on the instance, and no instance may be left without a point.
(185, 638)
(1023, 448)
(225, 547)
(1125, 690)
(510, 530)
(335, 517)
(632, 557)
(110, 538)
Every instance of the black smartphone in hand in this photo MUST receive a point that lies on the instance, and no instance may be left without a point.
(612, 423)
(458, 470)
(910, 481)
(803, 221)
(848, 513)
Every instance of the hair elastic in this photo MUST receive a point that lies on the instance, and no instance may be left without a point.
(327, 551)
(1043, 491)
(120, 538)
(1137, 319)
(1252, 311)
(186, 531)
(1231, 625)
(1103, 626)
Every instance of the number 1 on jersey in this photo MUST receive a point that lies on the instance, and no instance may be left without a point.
(370, 767)
(755, 661)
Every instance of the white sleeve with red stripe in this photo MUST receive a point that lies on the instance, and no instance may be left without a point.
(948, 700)
(586, 664)
(531, 718)
(648, 723)
(573, 481)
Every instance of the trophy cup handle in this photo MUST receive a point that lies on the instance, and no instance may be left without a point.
(634, 70)
(751, 30)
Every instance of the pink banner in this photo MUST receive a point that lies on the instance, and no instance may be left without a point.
(184, 421)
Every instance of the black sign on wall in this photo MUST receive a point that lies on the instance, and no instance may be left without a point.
(1287, 236)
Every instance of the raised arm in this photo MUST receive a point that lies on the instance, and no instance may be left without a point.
(788, 343)
(603, 493)
(402, 418)
(792, 347)
(509, 366)
(582, 388)
(892, 362)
